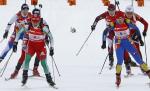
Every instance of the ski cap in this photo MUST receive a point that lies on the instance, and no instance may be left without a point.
(36, 11)
(24, 6)
(111, 7)
(36, 16)
(129, 9)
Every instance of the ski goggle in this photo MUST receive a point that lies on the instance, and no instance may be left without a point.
(25, 8)
(36, 13)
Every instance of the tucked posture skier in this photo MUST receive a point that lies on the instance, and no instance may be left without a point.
(124, 42)
(36, 32)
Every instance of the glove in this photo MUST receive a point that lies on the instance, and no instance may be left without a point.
(144, 33)
(117, 3)
(15, 46)
(51, 51)
(103, 45)
(47, 41)
(93, 27)
(5, 35)
(141, 43)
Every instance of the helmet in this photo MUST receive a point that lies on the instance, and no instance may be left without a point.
(36, 11)
(24, 6)
(111, 7)
(129, 9)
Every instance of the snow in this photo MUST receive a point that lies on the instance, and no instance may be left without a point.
(78, 73)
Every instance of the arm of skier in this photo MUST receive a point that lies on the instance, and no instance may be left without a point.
(12, 20)
(47, 31)
(97, 19)
(17, 38)
(137, 32)
(23, 29)
(144, 22)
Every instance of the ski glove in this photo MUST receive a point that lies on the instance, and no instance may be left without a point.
(141, 43)
(15, 46)
(144, 34)
(51, 51)
(93, 27)
(47, 41)
(5, 35)
(103, 45)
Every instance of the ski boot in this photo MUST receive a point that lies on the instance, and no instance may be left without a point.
(35, 71)
(128, 69)
(118, 79)
(133, 64)
(14, 74)
(49, 80)
(148, 73)
(25, 77)
(111, 61)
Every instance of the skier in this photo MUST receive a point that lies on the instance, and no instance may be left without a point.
(36, 32)
(124, 42)
(133, 17)
(109, 16)
(22, 16)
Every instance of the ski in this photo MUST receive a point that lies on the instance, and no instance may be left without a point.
(53, 87)
(128, 75)
(148, 84)
(36, 76)
(111, 67)
(7, 79)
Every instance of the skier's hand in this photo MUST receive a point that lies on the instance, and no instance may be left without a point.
(144, 33)
(141, 43)
(47, 41)
(15, 46)
(51, 53)
(93, 27)
(117, 3)
(103, 45)
(5, 35)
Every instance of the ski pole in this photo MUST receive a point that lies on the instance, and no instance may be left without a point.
(53, 70)
(132, 3)
(84, 44)
(145, 50)
(5, 65)
(55, 65)
(1, 40)
(103, 64)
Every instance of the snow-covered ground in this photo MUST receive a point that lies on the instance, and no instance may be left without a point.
(78, 73)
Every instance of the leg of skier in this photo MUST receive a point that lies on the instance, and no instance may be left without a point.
(35, 68)
(7, 48)
(120, 56)
(130, 47)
